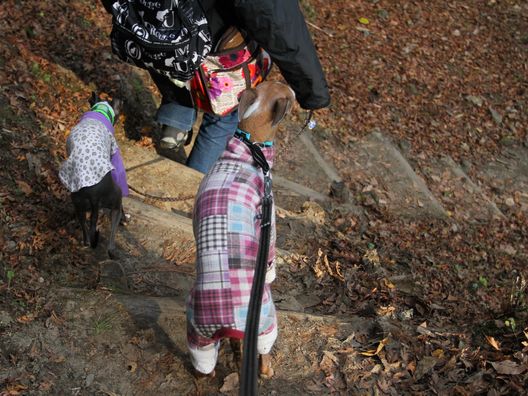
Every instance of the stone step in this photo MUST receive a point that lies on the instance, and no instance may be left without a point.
(157, 256)
(299, 161)
(157, 276)
(384, 178)
(151, 332)
(465, 201)
(154, 175)
(331, 172)
(291, 195)
(156, 252)
(175, 185)
(507, 177)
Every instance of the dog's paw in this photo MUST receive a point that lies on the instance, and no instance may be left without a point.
(94, 240)
(200, 376)
(125, 219)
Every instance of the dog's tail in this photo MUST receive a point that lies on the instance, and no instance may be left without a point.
(94, 234)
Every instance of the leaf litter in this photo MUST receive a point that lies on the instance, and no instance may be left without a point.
(446, 306)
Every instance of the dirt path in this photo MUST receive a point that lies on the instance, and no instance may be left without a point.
(407, 276)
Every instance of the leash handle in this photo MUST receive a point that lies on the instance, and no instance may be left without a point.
(309, 123)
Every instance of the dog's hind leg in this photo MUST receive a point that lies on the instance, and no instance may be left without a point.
(115, 218)
(94, 215)
(81, 205)
(236, 347)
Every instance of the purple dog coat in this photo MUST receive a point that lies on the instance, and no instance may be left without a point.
(92, 152)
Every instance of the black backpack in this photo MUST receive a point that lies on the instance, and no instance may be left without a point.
(170, 37)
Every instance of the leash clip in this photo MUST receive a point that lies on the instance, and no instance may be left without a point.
(267, 184)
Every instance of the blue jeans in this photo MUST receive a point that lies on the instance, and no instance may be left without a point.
(213, 135)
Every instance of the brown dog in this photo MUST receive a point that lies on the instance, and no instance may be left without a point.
(227, 223)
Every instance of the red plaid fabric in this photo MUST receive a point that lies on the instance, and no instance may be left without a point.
(226, 224)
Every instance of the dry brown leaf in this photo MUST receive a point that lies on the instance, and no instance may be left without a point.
(328, 363)
(24, 187)
(45, 386)
(372, 256)
(389, 284)
(327, 330)
(386, 311)
(13, 390)
(230, 383)
(25, 319)
(58, 359)
(493, 342)
(374, 352)
(508, 367)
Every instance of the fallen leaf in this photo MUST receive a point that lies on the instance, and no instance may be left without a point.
(15, 389)
(327, 330)
(58, 359)
(493, 342)
(422, 329)
(508, 367)
(388, 283)
(24, 187)
(425, 365)
(230, 383)
(372, 256)
(374, 352)
(364, 21)
(25, 319)
(328, 363)
(45, 386)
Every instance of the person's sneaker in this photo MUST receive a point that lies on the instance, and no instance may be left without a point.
(174, 138)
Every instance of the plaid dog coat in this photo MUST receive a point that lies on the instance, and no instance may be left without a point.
(226, 223)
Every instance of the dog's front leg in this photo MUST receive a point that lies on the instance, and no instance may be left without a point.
(266, 371)
(81, 215)
(116, 218)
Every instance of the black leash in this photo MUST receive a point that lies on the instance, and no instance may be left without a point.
(308, 123)
(249, 377)
(163, 199)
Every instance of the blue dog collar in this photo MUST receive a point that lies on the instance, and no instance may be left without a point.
(245, 136)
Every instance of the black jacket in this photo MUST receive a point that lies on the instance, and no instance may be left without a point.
(279, 27)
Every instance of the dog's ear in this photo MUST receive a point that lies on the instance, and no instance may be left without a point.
(281, 107)
(248, 98)
(93, 99)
